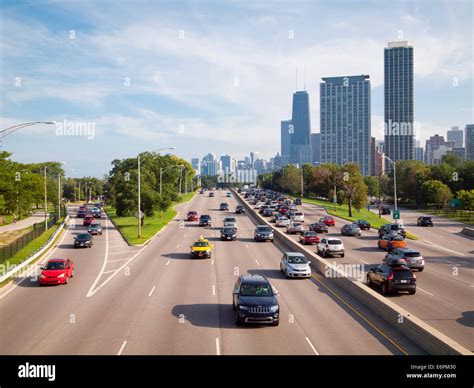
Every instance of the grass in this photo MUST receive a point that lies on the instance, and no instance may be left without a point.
(7, 237)
(342, 211)
(458, 216)
(30, 249)
(152, 225)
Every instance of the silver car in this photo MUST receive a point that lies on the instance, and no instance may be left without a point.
(413, 259)
(230, 222)
(295, 265)
(282, 221)
(351, 230)
(294, 227)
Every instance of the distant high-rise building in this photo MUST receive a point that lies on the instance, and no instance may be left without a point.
(379, 163)
(373, 155)
(285, 140)
(435, 148)
(419, 153)
(226, 161)
(196, 165)
(210, 165)
(456, 135)
(300, 143)
(398, 101)
(345, 120)
(253, 157)
(316, 148)
(380, 146)
(248, 162)
(260, 166)
(469, 142)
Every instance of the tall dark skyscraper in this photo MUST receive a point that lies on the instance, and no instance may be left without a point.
(316, 148)
(398, 100)
(345, 120)
(300, 142)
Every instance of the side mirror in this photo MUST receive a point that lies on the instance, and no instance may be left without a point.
(275, 291)
(235, 291)
(309, 262)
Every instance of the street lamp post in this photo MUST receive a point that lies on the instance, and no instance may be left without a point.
(14, 128)
(45, 201)
(162, 169)
(394, 179)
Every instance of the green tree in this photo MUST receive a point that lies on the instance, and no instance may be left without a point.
(354, 187)
(436, 193)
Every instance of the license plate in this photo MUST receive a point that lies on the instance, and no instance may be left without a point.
(403, 281)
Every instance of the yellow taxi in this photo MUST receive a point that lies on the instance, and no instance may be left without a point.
(201, 249)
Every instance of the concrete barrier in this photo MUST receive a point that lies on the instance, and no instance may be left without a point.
(468, 231)
(426, 337)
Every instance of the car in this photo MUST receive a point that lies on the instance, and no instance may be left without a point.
(363, 224)
(88, 220)
(282, 221)
(192, 216)
(96, 213)
(298, 201)
(268, 212)
(263, 233)
(410, 257)
(309, 237)
(239, 209)
(328, 221)
(224, 206)
(56, 271)
(293, 207)
(295, 265)
(351, 230)
(205, 220)
(424, 221)
(258, 205)
(229, 194)
(228, 233)
(274, 204)
(275, 217)
(319, 227)
(230, 222)
(95, 228)
(83, 240)
(211, 194)
(254, 301)
(385, 210)
(391, 279)
(392, 228)
(298, 217)
(201, 191)
(392, 240)
(284, 210)
(81, 213)
(201, 249)
(330, 246)
(294, 227)
(262, 209)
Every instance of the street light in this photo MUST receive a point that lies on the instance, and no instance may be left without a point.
(139, 189)
(14, 128)
(394, 179)
(162, 169)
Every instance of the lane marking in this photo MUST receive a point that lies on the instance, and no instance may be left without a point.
(218, 347)
(177, 246)
(312, 346)
(212, 261)
(169, 261)
(361, 316)
(246, 246)
(257, 262)
(111, 271)
(113, 261)
(121, 348)
(118, 253)
(421, 289)
(213, 289)
(426, 242)
(450, 262)
(364, 262)
(151, 292)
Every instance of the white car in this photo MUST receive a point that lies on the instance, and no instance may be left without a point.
(295, 265)
(294, 227)
(258, 205)
(230, 222)
(274, 204)
(293, 208)
(282, 221)
(330, 246)
(298, 217)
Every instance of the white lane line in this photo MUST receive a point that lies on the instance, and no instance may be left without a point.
(213, 289)
(212, 262)
(312, 346)
(421, 289)
(118, 253)
(121, 348)
(246, 245)
(364, 262)
(184, 235)
(426, 242)
(151, 292)
(111, 271)
(450, 262)
(257, 262)
(177, 246)
(218, 347)
(168, 262)
(113, 261)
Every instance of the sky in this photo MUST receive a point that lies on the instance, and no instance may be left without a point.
(122, 77)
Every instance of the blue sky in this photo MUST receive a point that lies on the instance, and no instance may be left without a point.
(212, 76)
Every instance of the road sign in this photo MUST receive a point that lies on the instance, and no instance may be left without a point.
(139, 215)
(454, 202)
(396, 214)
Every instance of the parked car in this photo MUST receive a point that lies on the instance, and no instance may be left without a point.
(385, 210)
(294, 227)
(83, 240)
(295, 265)
(205, 220)
(254, 301)
(240, 209)
(228, 233)
(298, 217)
(95, 228)
(351, 230)
(56, 271)
(330, 246)
(328, 221)
(263, 233)
(282, 221)
(363, 224)
(319, 227)
(392, 228)
(410, 257)
(192, 215)
(424, 221)
(263, 208)
(224, 206)
(309, 237)
(391, 241)
(392, 279)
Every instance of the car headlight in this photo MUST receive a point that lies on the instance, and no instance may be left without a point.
(42, 276)
(258, 235)
(61, 276)
(241, 307)
(274, 309)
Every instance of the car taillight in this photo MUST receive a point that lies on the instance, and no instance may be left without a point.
(390, 277)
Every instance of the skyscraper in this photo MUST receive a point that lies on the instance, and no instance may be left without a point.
(300, 143)
(373, 155)
(419, 152)
(226, 161)
(285, 140)
(316, 148)
(196, 165)
(345, 120)
(469, 141)
(456, 135)
(398, 101)
(435, 148)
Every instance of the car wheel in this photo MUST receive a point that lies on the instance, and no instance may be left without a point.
(369, 282)
(275, 323)
(412, 292)
(238, 321)
(72, 273)
(342, 255)
(420, 270)
(384, 289)
(325, 254)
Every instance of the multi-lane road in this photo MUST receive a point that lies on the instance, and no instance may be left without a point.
(445, 289)
(157, 300)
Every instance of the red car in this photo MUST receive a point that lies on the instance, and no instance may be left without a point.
(193, 216)
(328, 221)
(309, 237)
(88, 220)
(283, 210)
(57, 271)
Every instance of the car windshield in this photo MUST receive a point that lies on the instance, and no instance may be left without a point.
(412, 254)
(334, 242)
(296, 224)
(297, 260)
(264, 229)
(362, 222)
(395, 227)
(55, 265)
(192, 213)
(256, 289)
(403, 274)
(396, 238)
(229, 219)
(83, 237)
(228, 230)
(95, 225)
(205, 217)
(310, 234)
(201, 244)
(426, 218)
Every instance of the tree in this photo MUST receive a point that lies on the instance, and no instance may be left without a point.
(436, 192)
(354, 187)
(372, 184)
(467, 198)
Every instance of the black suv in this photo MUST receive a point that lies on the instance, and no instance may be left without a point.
(83, 240)
(298, 201)
(228, 233)
(385, 210)
(263, 233)
(254, 301)
(392, 228)
(240, 209)
(224, 206)
(205, 220)
(392, 279)
(424, 221)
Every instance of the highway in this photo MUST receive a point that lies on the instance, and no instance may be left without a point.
(445, 289)
(156, 300)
